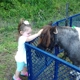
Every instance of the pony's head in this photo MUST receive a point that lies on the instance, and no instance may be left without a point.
(47, 37)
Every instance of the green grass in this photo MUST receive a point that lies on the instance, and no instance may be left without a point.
(8, 46)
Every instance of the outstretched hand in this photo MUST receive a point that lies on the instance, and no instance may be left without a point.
(40, 31)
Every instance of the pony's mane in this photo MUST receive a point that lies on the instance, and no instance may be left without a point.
(45, 35)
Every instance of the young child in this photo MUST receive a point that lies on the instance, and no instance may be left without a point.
(24, 30)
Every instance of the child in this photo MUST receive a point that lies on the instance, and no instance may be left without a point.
(24, 30)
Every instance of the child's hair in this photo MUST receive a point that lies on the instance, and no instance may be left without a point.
(22, 24)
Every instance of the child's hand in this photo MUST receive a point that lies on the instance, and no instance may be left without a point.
(40, 31)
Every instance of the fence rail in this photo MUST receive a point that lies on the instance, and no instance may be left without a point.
(71, 21)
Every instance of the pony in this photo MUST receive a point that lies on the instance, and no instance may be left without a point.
(65, 37)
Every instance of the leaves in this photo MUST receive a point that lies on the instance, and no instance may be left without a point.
(39, 12)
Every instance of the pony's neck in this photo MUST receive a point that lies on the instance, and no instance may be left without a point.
(66, 36)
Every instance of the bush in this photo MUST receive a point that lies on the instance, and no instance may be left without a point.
(39, 12)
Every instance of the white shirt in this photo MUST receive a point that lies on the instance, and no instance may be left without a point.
(21, 53)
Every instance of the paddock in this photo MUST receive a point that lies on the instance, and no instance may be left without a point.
(49, 66)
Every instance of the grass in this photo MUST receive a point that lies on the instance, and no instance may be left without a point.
(8, 46)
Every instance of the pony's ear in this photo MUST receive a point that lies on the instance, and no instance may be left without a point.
(54, 30)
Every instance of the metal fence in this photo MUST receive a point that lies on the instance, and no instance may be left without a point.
(43, 65)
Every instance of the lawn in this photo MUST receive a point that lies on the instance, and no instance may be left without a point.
(8, 46)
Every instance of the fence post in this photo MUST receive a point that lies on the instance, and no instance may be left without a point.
(66, 22)
(57, 23)
(56, 64)
(29, 61)
(70, 21)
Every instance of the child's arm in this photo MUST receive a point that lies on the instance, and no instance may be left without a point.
(30, 38)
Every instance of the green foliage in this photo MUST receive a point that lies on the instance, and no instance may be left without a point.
(39, 12)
